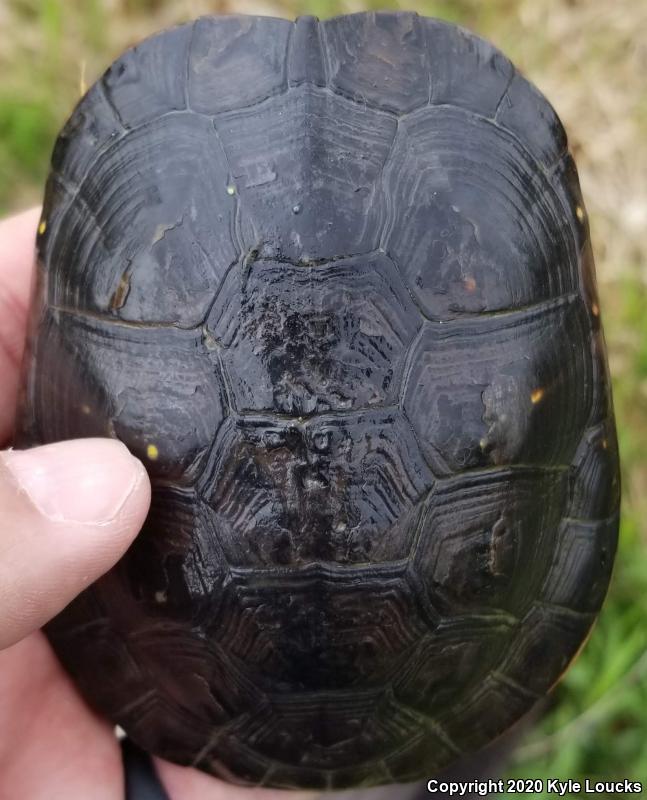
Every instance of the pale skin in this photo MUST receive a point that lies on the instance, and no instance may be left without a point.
(68, 511)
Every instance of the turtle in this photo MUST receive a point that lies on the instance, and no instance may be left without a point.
(332, 281)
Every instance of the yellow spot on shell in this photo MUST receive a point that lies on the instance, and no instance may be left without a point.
(42, 227)
(536, 395)
(469, 283)
(579, 211)
(85, 409)
(152, 452)
(231, 189)
(605, 444)
(595, 310)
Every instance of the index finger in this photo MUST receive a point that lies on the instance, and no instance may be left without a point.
(17, 260)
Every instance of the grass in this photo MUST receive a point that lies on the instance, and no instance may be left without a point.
(589, 58)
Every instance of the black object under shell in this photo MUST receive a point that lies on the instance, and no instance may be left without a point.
(332, 281)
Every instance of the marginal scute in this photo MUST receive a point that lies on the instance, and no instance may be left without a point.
(226, 757)
(370, 719)
(301, 150)
(156, 68)
(525, 112)
(589, 286)
(466, 71)
(428, 747)
(595, 484)
(301, 340)
(236, 61)
(487, 710)
(602, 406)
(306, 62)
(392, 45)
(566, 181)
(548, 638)
(58, 196)
(91, 128)
(580, 574)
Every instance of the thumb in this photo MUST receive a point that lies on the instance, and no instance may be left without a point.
(68, 511)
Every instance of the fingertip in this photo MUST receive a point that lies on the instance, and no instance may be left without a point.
(69, 512)
(91, 481)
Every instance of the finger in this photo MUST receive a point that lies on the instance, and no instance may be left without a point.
(17, 257)
(68, 511)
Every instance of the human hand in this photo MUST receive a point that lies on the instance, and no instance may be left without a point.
(68, 511)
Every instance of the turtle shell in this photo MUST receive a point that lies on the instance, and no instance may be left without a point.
(333, 283)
